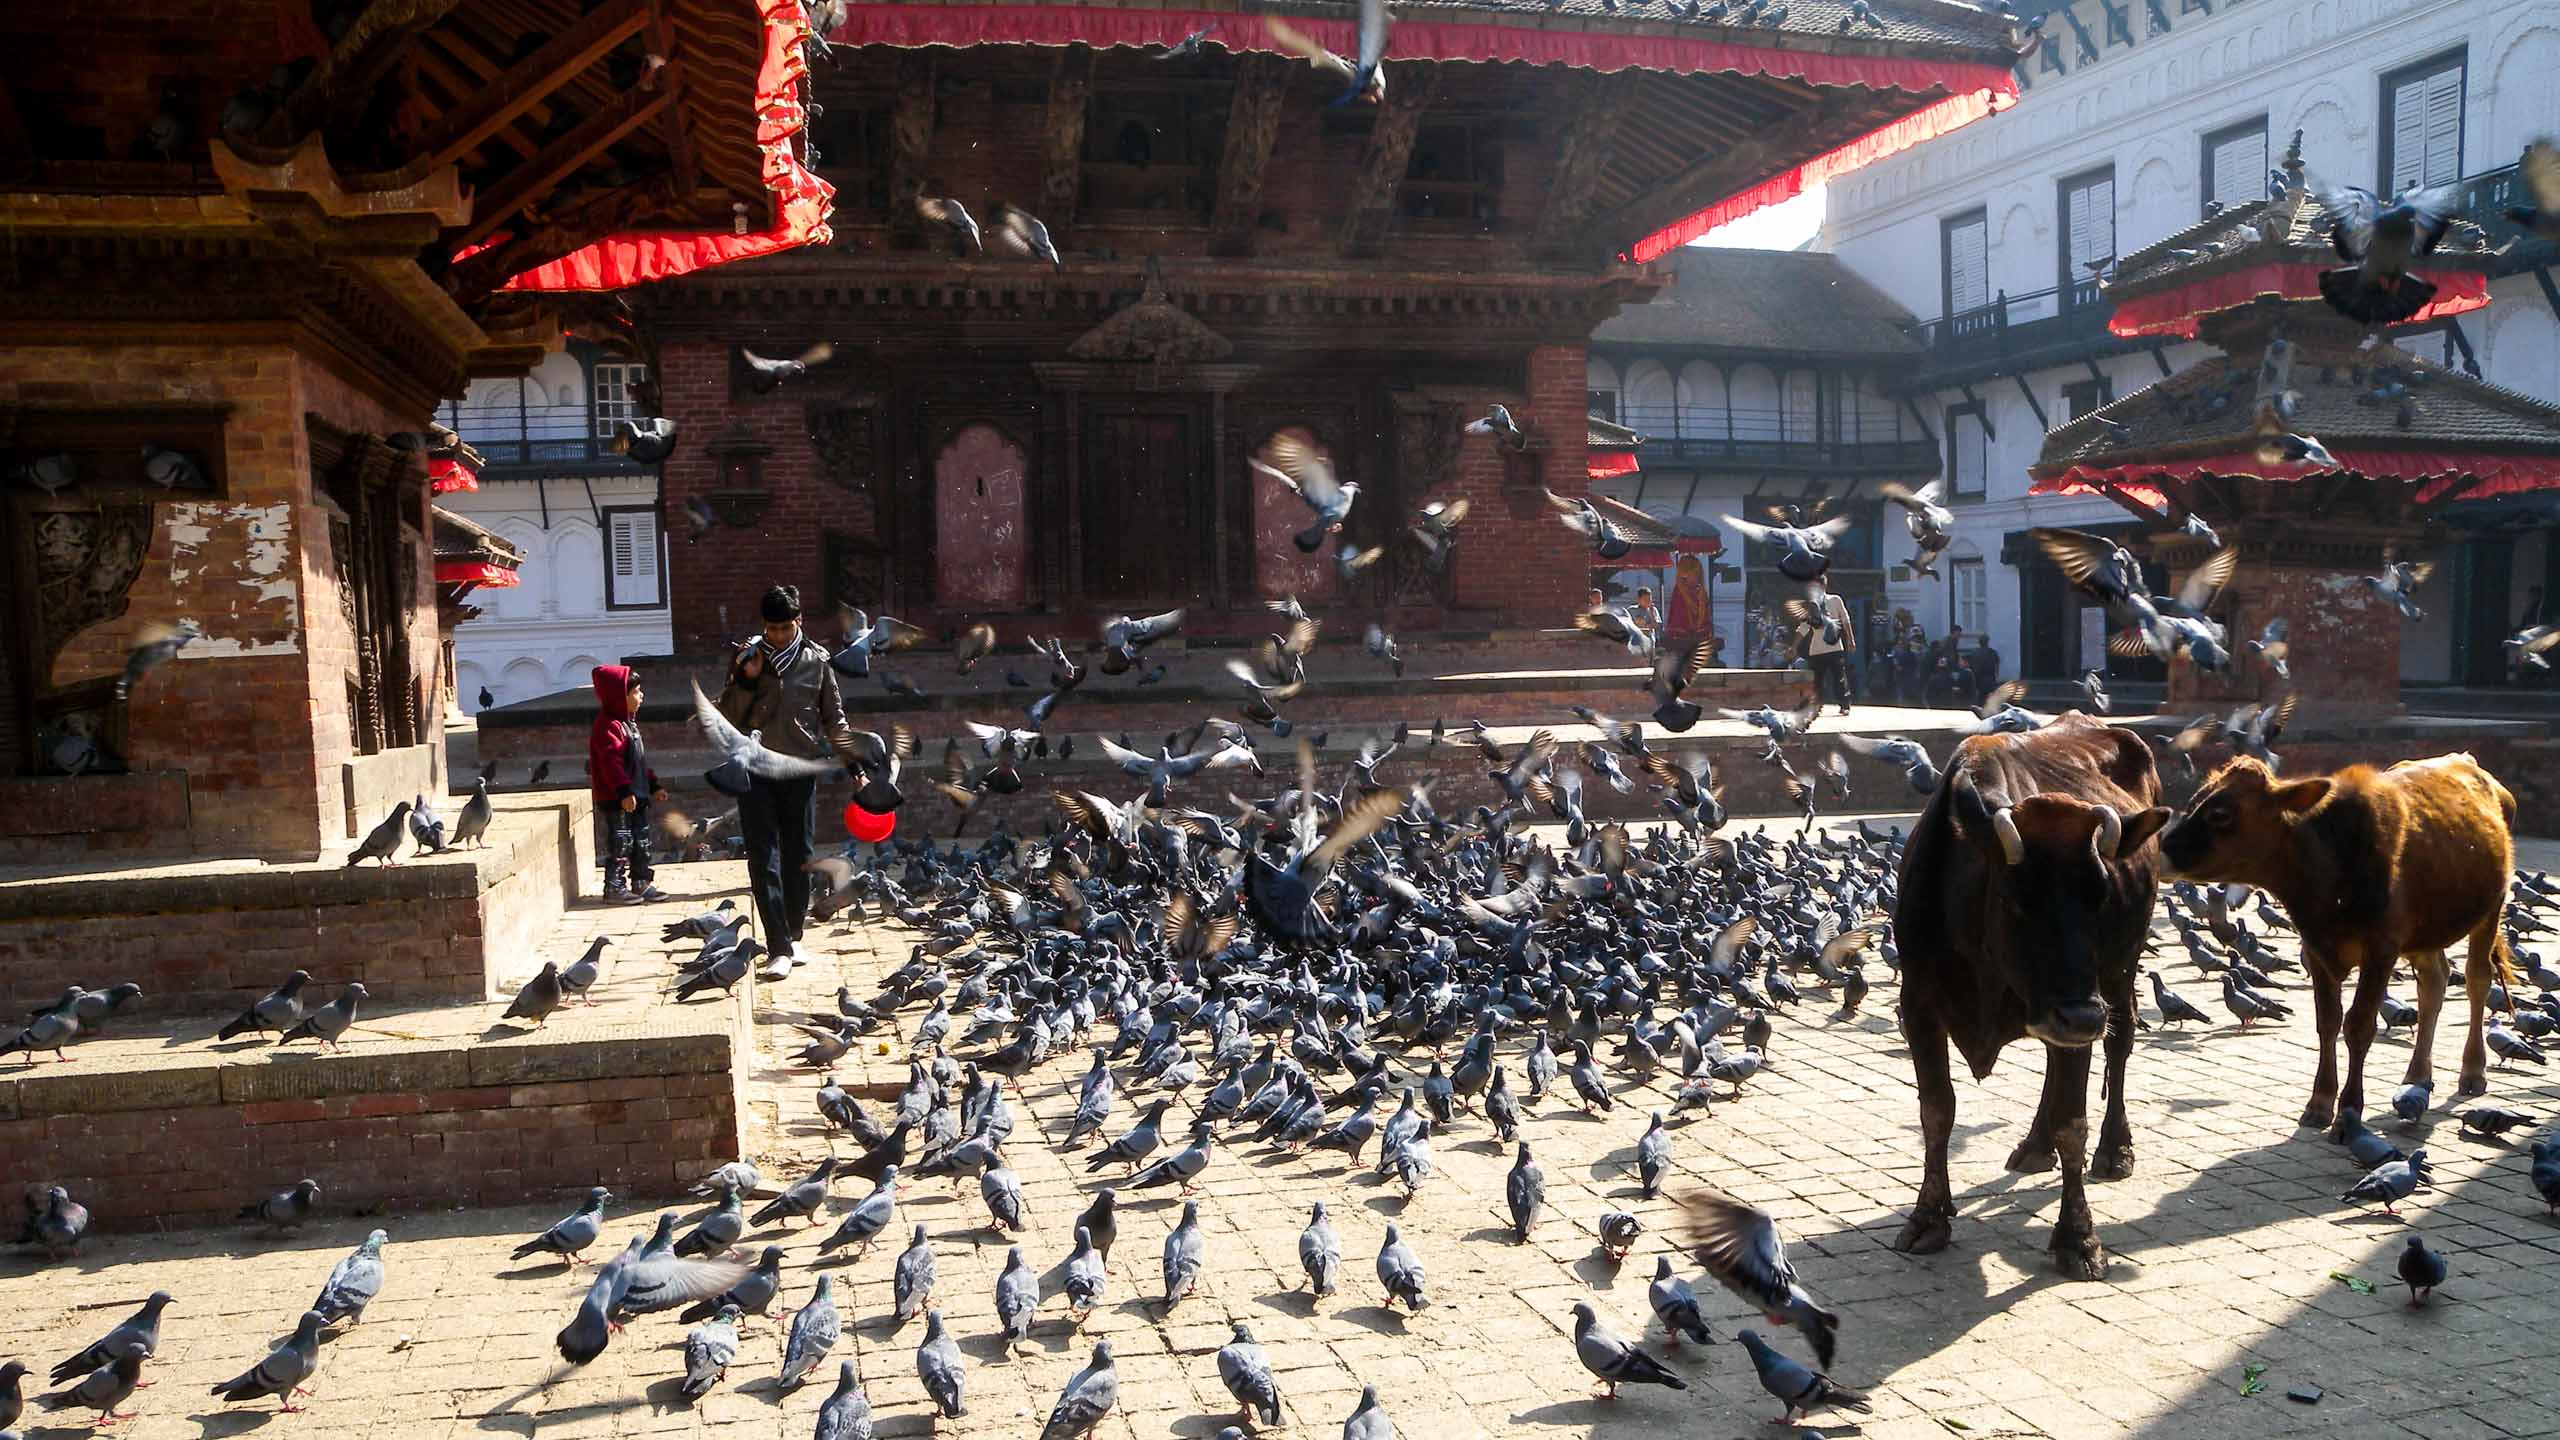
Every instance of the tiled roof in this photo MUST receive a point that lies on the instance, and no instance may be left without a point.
(1795, 302)
(1608, 435)
(2210, 409)
(2293, 229)
(459, 538)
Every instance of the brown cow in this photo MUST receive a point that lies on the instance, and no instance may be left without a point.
(2025, 894)
(2372, 865)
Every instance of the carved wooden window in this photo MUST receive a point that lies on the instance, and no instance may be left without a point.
(1455, 172)
(852, 142)
(982, 535)
(1153, 152)
(855, 571)
(363, 484)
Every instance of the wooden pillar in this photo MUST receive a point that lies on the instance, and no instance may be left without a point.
(1070, 79)
(910, 141)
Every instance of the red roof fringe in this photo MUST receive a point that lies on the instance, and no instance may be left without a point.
(801, 201)
(2174, 312)
(446, 476)
(476, 572)
(2441, 470)
(1603, 464)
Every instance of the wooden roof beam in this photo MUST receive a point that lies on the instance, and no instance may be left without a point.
(1729, 171)
(477, 276)
(588, 139)
(671, 121)
(525, 84)
(353, 68)
(1253, 125)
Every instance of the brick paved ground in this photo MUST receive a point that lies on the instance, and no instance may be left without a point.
(2226, 1240)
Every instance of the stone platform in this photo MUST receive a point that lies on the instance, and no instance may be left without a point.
(157, 1121)
(212, 935)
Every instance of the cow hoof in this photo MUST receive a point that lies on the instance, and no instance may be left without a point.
(2115, 1163)
(2032, 1156)
(2080, 1259)
(2319, 1115)
(1925, 1233)
(2473, 1085)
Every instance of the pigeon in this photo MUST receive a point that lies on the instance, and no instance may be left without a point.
(1368, 1419)
(1246, 1372)
(2363, 1146)
(1676, 1306)
(2410, 1102)
(384, 838)
(278, 1009)
(330, 1023)
(2546, 1171)
(2507, 1045)
(1653, 1156)
(1400, 1272)
(708, 1349)
(1497, 422)
(847, 1413)
(2173, 1009)
(1320, 1254)
(353, 1282)
(2397, 580)
(1180, 1168)
(744, 756)
(538, 997)
(2539, 170)
(1186, 1253)
(869, 1217)
(801, 1201)
(1902, 752)
(2422, 1270)
(815, 1327)
(1607, 1355)
(426, 827)
(717, 1231)
(2492, 1120)
(50, 1029)
(1740, 1246)
(141, 1328)
(2380, 241)
(1021, 232)
(1526, 1191)
(912, 1278)
(1802, 1390)
(1017, 1298)
(287, 1209)
(1309, 474)
(1803, 552)
(154, 646)
(2391, 1182)
(955, 218)
(938, 1366)
(473, 823)
(281, 1374)
(2247, 1005)
(646, 440)
(1086, 1275)
(570, 1237)
(752, 1295)
(764, 376)
(1088, 1397)
(63, 1224)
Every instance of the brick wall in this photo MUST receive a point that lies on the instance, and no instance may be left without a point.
(213, 941)
(461, 1126)
(254, 713)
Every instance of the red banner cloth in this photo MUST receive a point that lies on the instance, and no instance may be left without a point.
(801, 201)
(475, 572)
(446, 476)
(1602, 464)
(1972, 89)
(2441, 470)
(2174, 312)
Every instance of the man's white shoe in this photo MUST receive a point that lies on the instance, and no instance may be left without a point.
(779, 965)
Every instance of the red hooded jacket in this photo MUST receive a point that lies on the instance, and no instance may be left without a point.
(617, 763)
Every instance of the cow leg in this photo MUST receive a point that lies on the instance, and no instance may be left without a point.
(2433, 973)
(2371, 981)
(2076, 1251)
(2114, 1160)
(1926, 1232)
(2034, 1154)
(2327, 982)
(2489, 962)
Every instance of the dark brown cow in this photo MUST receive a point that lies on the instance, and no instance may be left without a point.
(2025, 893)
(2371, 865)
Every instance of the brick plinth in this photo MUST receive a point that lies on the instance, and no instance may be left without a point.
(2345, 639)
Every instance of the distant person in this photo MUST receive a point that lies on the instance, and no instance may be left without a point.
(1829, 656)
(1597, 601)
(1939, 691)
(1986, 665)
(780, 684)
(624, 786)
(1643, 611)
(1910, 660)
(1968, 688)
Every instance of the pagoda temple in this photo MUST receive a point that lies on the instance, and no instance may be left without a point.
(2408, 438)
(1241, 253)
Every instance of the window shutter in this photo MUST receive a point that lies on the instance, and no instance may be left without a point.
(1968, 266)
(2408, 135)
(2240, 169)
(2444, 127)
(2093, 224)
(632, 558)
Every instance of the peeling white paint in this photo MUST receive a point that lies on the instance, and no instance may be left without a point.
(264, 571)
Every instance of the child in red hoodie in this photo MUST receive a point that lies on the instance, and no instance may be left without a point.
(624, 786)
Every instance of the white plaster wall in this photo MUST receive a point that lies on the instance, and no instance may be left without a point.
(544, 636)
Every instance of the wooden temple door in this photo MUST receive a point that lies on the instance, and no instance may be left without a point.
(1144, 513)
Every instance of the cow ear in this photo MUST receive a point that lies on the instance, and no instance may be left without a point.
(1972, 812)
(2140, 826)
(2301, 796)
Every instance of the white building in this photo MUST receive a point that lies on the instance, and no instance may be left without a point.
(594, 576)
(2137, 115)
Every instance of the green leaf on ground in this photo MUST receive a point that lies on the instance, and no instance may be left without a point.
(2250, 1383)
(2357, 1283)
(1955, 1424)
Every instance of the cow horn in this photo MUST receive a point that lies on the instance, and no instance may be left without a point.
(2012, 844)
(2110, 832)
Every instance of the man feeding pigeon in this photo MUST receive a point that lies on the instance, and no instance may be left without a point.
(782, 693)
